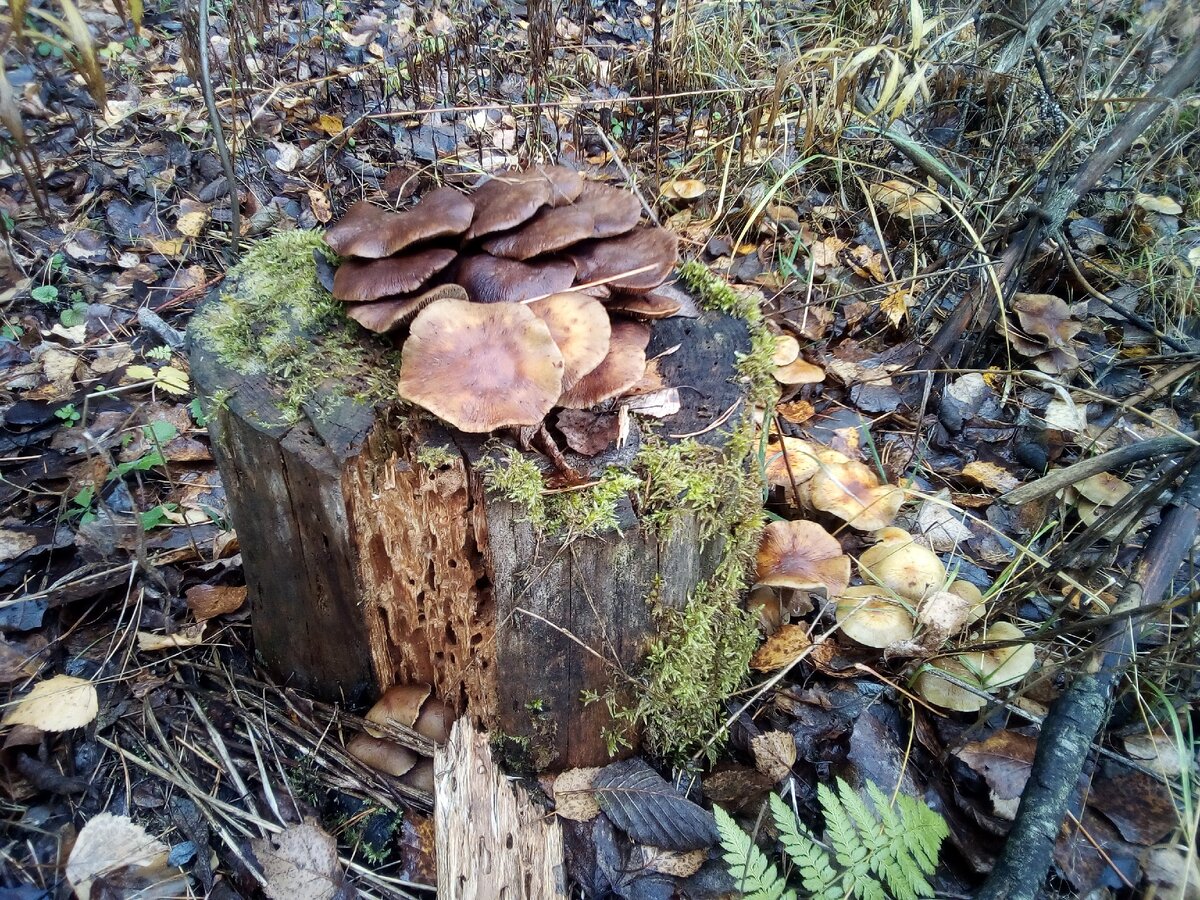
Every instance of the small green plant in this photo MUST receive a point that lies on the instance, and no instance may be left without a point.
(874, 854)
(68, 414)
(45, 293)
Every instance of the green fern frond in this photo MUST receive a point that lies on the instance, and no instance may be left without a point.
(812, 861)
(752, 872)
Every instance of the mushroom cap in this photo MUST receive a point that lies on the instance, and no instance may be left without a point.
(371, 232)
(358, 281)
(908, 569)
(637, 261)
(502, 203)
(793, 460)
(613, 210)
(850, 491)
(972, 595)
(399, 705)
(490, 279)
(1047, 317)
(420, 776)
(643, 306)
(763, 602)
(873, 620)
(580, 327)
(552, 228)
(1103, 489)
(804, 556)
(564, 184)
(382, 316)
(787, 350)
(481, 366)
(381, 755)
(623, 367)
(1004, 665)
(435, 720)
(799, 371)
(941, 692)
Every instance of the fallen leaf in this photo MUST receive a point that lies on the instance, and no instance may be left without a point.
(575, 794)
(991, 476)
(330, 124)
(208, 601)
(781, 649)
(299, 863)
(107, 844)
(14, 543)
(774, 754)
(192, 218)
(896, 306)
(186, 637)
(320, 205)
(57, 704)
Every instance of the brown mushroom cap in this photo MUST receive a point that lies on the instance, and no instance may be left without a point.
(381, 755)
(399, 705)
(382, 316)
(787, 350)
(799, 371)
(553, 228)
(804, 556)
(358, 281)
(481, 366)
(502, 203)
(489, 279)
(564, 184)
(580, 327)
(792, 461)
(903, 566)
(1103, 489)
(435, 720)
(873, 620)
(643, 306)
(420, 776)
(1003, 665)
(850, 491)
(613, 210)
(637, 261)
(371, 232)
(622, 368)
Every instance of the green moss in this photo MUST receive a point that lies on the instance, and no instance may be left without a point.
(433, 456)
(514, 477)
(276, 320)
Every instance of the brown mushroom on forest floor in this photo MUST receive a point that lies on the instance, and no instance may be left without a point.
(638, 261)
(502, 203)
(381, 754)
(803, 556)
(481, 366)
(371, 232)
(852, 492)
(564, 184)
(400, 704)
(898, 563)
(550, 229)
(580, 327)
(872, 619)
(360, 281)
(622, 368)
(650, 305)
(490, 279)
(382, 316)
(614, 211)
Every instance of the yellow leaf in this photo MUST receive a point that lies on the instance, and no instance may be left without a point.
(320, 205)
(191, 221)
(140, 373)
(59, 704)
(173, 380)
(330, 124)
(896, 306)
(166, 246)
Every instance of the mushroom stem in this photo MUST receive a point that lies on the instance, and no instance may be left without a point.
(545, 442)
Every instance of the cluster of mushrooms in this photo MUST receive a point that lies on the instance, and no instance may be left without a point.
(410, 706)
(532, 292)
(906, 604)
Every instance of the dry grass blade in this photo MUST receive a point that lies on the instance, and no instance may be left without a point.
(18, 9)
(85, 61)
(10, 113)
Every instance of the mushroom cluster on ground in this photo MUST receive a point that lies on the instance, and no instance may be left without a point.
(532, 292)
(407, 706)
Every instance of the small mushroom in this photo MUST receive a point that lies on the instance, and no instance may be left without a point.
(553, 228)
(622, 368)
(850, 491)
(580, 327)
(638, 261)
(643, 306)
(614, 211)
(804, 556)
(1004, 665)
(942, 692)
(973, 596)
(873, 620)
(435, 720)
(399, 705)
(790, 461)
(502, 203)
(1103, 489)
(420, 776)
(901, 565)
(381, 754)
(564, 184)
(383, 316)
(369, 232)
(489, 279)
(763, 602)
(799, 371)
(481, 366)
(787, 350)
(358, 281)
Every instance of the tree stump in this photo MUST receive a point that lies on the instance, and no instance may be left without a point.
(380, 547)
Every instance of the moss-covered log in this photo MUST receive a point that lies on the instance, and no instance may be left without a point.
(380, 547)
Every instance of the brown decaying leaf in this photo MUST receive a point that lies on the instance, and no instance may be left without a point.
(774, 754)
(575, 794)
(299, 863)
(208, 601)
(782, 648)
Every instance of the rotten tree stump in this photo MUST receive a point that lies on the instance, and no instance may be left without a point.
(375, 553)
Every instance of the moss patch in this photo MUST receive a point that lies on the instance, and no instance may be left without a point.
(276, 320)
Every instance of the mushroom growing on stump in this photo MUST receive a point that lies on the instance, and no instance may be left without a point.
(388, 520)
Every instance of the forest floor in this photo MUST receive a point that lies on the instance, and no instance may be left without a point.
(890, 180)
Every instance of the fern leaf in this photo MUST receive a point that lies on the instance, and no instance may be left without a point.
(847, 848)
(812, 861)
(868, 824)
(752, 872)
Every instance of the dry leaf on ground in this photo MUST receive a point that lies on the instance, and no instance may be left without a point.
(59, 704)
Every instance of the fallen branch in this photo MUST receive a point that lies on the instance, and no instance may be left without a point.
(1104, 462)
(1077, 716)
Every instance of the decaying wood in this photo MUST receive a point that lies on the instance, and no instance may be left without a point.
(375, 555)
(1067, 732)
(491, 841)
